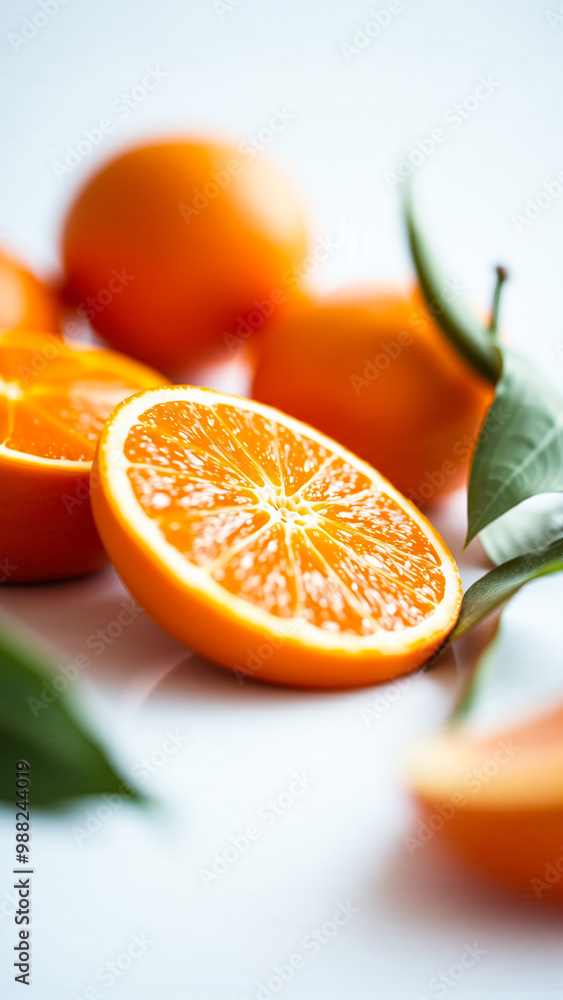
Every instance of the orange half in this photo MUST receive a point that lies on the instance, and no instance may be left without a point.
(497, 800)
(54, 399)
(265, 545)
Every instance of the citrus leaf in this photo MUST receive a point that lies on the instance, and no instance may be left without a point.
(531, 525)
(65, 761)
(520, 451)
(493, 589)
(471, 338)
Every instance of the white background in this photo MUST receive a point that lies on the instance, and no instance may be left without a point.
(227, 73)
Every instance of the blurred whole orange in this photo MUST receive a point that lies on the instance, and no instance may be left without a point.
(374, 371)
(171, 247)
(25, 302)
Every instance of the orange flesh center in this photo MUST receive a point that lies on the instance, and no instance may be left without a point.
(281, 521)
(54, 401)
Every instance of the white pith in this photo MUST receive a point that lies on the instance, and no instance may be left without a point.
(129, 512)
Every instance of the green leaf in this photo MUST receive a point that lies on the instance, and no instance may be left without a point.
(531, 525)
(471, 338)
(493, 589)
(520, 451)
(65, 761)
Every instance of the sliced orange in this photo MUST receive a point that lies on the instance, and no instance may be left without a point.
(497, 801)
(53, 402)
(266, 546)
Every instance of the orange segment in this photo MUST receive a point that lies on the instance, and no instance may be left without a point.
(201, 430)
(234, 524)
(54, 400)
(33, 431)
(259, 436)
(187, 495)
(327, 600)
(382, 588)
(380, 517)
(301, 458)
(261, 571)
(203, 539)
(336, 480)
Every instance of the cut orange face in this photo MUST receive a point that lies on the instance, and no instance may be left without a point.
(53, 402)
(266, 546)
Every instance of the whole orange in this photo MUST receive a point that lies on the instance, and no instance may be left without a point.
(171, 247)
(375, 372)
(25, 302)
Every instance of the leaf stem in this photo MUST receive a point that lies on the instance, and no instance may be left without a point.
(470, 337)
(502, 275)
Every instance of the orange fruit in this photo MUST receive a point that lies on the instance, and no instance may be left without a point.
(53, 403)
(266, 546)
(171, 248)
(25, 302)
(497, 801)
(375, 372)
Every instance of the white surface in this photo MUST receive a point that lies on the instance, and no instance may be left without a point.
(341, 840)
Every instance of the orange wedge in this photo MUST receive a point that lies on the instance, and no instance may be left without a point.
(266, 546)
(53, 402)
(497, 801)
